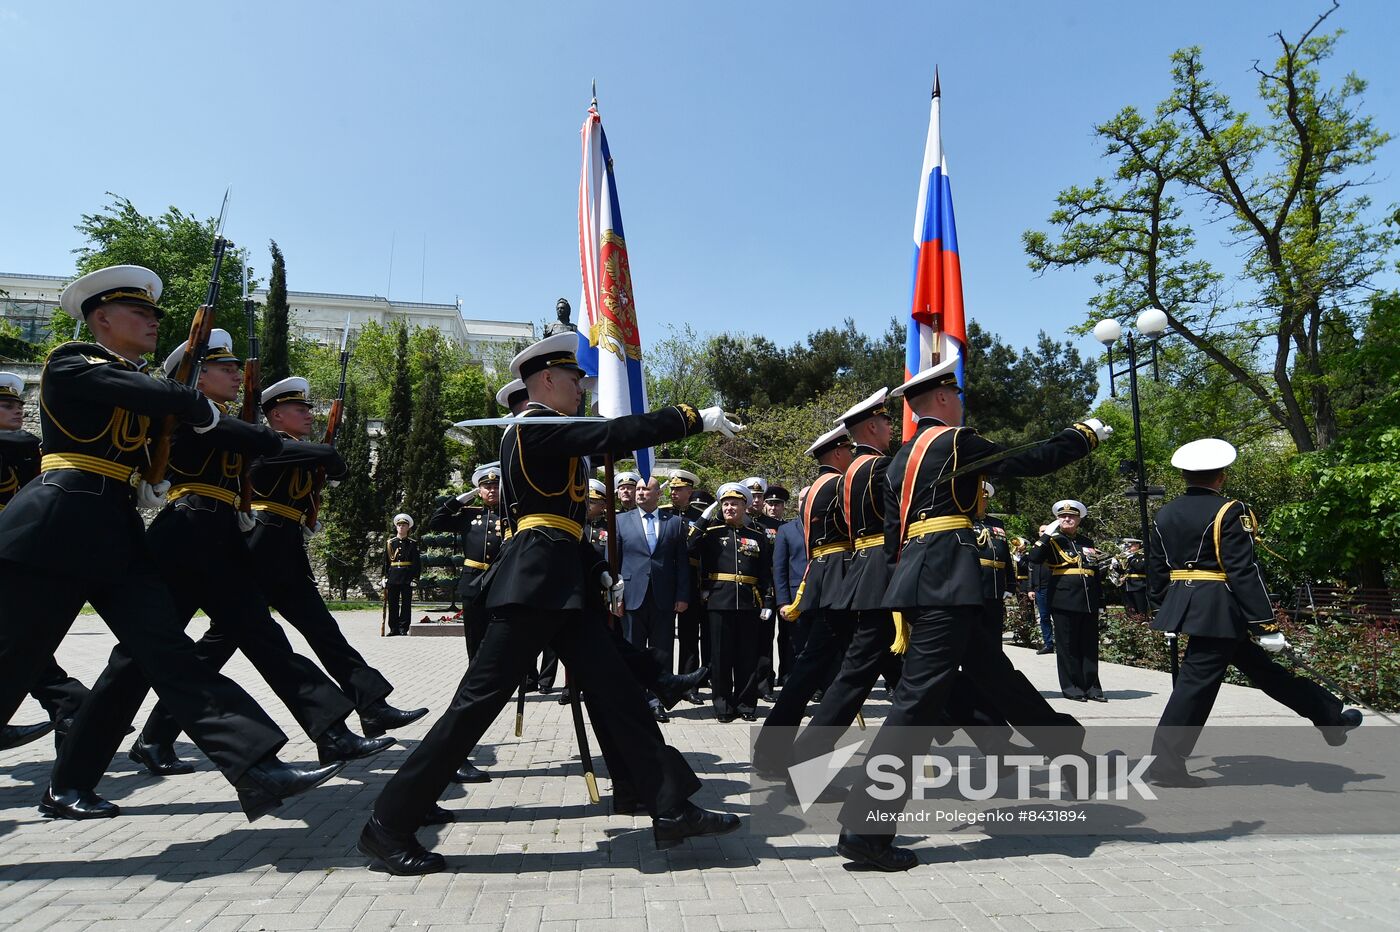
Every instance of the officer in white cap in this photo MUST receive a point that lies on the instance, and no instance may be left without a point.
(513, 396)
(403, 566)
(97, 405)
(936, 587)
(542, 592)
(625, 485)
(1075, 597)
(59, 694)
(1206, 583)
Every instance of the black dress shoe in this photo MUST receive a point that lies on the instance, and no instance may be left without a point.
(565, 697)
(1099, 698)
(1076, 698)
(76, 804)
(470, 773)
(438, 816)
(264, 785)
(725, 719)
(694, 697)
(158, 759)
(1176, 777)
(1047, 649)
(671, 689)
(12, 736)
(690, 821)
(1336, 735)
(338, 743)
(768, 696)
(748, 716)
(624, 803)
(871, 854)
(399, 854)
(660, 715)
(381, 717)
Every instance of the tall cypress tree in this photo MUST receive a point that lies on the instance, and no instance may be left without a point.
(353, 507)
(426, 467)
(388, 473)
(276, 364)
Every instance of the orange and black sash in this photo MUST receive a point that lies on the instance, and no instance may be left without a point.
(911, 473)
(846, 496)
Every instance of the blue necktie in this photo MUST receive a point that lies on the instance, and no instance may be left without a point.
(651, 531)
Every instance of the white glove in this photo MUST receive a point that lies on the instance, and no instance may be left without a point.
(1274, 643)
(709, 513)
(1008, 595)
(715, 419)
(333, 483)
(383, 581)
(1100, 429)
(466, 496)
(152, 496)
(615, 592)
(309, 531)
(765, 614)
(246, 522)
(1052, 528)
(214, 409)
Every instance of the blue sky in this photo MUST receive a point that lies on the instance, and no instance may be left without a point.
(766, 153)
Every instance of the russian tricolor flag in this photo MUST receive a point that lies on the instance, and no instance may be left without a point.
(610, 346)
(936, 325)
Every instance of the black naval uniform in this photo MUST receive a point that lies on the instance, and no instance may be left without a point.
(829, 629)
(692, 634)
(1135, 583)
(736, 578)
(998, 569)
(936, 582)
(767, 672)
(1206, 584)
(204, 563)
(403, 564)
(59, 694)
(543, 588)
(73, 535)
(478, 528)
(1076, 595)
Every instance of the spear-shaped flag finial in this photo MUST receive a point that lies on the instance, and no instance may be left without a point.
(595, 92)
(937, 91)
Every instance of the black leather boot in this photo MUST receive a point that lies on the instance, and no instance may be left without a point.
(339, 743)
(76, 804)
(884, 857)
(158, 759)
(470, 773)
(690, 821)
(263, 786)
(671, 689)
(380, 717)
(398, 853)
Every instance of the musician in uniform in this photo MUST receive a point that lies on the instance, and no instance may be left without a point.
(736, 578)
(97, 407)
(403, 565)
(828, 544)
(1134, 577)
(931, 490)
(1207, 584)
(1040, 598)
(59, 694)
(994, 555)
(759, 518)
(198, 548)
(478, 530)
(544, 587)
(1076, 595)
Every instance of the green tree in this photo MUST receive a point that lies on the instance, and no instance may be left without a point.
(426, 464)
(352, 513)
(1284, 188)
(176, 246)
(393, 445)
(275, 354)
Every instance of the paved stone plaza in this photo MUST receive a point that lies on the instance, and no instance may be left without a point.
(528, 852)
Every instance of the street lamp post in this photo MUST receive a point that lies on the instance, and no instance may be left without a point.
(1151, 323)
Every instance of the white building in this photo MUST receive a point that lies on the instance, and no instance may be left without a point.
(31, 299)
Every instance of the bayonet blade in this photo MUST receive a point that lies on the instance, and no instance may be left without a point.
(223, 216)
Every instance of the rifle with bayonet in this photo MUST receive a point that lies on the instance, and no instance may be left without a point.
(196, 348)
(333, 420)
(252, 388)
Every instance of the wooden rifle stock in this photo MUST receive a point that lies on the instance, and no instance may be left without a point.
(186, 373)
(319, 484)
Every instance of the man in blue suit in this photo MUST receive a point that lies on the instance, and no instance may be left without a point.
(789, 565)
(656, 568)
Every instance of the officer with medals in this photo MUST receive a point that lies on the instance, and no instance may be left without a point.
(829, 629)
(1076, 595)
(1134, 577)
(478, 529)
(283, 485)
(59, 694)
(198, 549)
(1207, 584)
(403, 565)
(692, 641)
(936, 587)
(545, 586)
(759, 519)
(994, 555)
(736, 578)
(97, 407)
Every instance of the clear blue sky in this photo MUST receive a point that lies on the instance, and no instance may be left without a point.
(767, 153)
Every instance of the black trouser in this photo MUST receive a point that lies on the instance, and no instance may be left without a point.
(39, 607)
(995, 610)
(473, 627)
(785, 654)
(1077, 652)
(297, 601)
(866, 657)
(766, 676)
(60, 694)
(549, 669)
(827, 642)
(734, 640)
(400, 598)
(692, 637)
(653, 626)
(1198, 682)
(1135, 600)
(663, 780)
